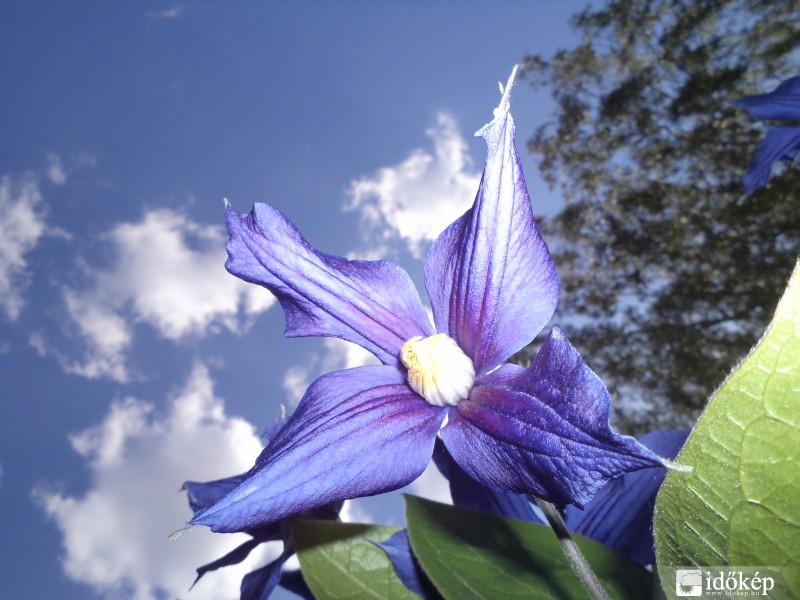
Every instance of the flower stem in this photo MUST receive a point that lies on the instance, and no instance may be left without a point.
(572, 552)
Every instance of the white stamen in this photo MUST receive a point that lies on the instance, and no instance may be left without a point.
(438, 370)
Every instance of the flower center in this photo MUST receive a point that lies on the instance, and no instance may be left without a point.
(438, 370)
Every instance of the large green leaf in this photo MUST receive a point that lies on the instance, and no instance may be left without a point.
(741, 504)
(473, 555)
(339, 561)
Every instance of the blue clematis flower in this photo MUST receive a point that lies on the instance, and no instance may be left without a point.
(368, 430)
(406, 567)
(780, 143)
(260, 583)
(620, 515)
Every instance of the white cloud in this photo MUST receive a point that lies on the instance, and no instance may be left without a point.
(431, 484)
(55, 169)
(415, 200)
(173, 12)
(115, 535)
(108, 334)
(22, 224)
(167, 271)
(296, 381)
(171, 269)
(353, 511)
(336, 354)
(85, 160)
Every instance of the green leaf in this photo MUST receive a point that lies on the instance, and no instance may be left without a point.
(339, 561)
(473, 555)
(741, 504)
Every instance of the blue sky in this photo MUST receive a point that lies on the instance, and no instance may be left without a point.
(130, 360)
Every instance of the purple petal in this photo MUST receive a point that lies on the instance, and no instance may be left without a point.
(544, 433)
(293, 581)
(272, 430)
(469, 493)
(328, 512)
(621, 514)
(489, 275)
(781, 104)
(780, 143)
(234, 557)
(259, 584)
(371, 303)
(355, 433)
(405, 565)
(203, 495)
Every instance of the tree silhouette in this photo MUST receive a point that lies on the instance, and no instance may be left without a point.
(669, 272)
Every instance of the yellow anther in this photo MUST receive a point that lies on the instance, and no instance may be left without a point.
(438, 370)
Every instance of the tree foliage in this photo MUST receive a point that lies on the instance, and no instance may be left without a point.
(669, 273)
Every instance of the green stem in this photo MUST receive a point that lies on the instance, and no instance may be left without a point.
(571, 550)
